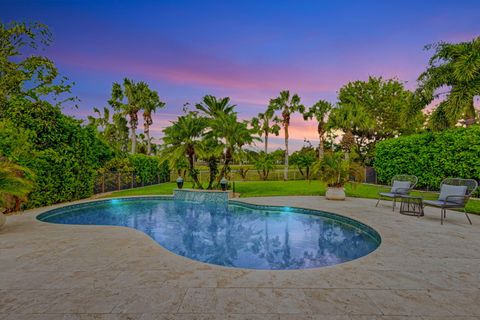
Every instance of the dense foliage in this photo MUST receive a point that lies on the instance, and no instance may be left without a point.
(149, 169)
(63, 154)
(431, 156)
(304, 159)
(372, 111)
(453, 74)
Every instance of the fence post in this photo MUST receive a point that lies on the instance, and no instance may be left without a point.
(118, 181)
(132, 182)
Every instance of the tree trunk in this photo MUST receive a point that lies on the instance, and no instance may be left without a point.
(226, 165)
(192, 172)
(470, 114)
(285, 172)
(134, 140)
(266, 142)
(321, 151)
(147, 135)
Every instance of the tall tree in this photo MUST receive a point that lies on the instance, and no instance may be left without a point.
(183, 139)
(130, 100)
(23, 72)
(372, 111)
(266, 123)
(225, 128)
(287, 104)
(319, 111)
(113, 129)
(454, 70)
(211, 150)
(102, 121)
(150, 104)
(233, 134)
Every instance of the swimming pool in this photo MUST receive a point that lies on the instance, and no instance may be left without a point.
(234, 235)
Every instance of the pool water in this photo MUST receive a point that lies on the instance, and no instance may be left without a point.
(233, 235)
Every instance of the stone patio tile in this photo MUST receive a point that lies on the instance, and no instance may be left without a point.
(408, 302)
(199, 300)
(103, 316)
(259, 300)
(386, 318)
(232, 300)
(462, 303)
(27, 301)
(85, 301)
(35, 316)
(341, 301)
(291, 301)
(150, 300)
(248, 317)
(233, 278)
(177, 316)
(397, 279)
(451, 318)
(192, 279)
(313, 317)
(137, 279)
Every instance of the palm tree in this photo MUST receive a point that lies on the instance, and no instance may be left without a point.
(264, 163)
(16, 182)
(211, 150)
(103, 120)
(225, 127)
(319, 111)
(214, 108)
(455, 68)
(150, 104)
(183, 139)
(287, 105)
(266, 123)
(135, 94)
(233, 134)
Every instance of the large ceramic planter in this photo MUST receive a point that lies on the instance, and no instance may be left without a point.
(3, 219)
(335, 193)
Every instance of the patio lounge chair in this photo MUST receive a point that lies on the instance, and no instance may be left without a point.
(401, 185)
(454, 194)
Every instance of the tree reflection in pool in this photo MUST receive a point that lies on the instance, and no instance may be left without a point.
(236, 235)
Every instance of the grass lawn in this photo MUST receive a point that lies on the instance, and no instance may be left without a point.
(286, 188)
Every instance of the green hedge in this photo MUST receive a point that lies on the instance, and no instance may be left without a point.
(63, 154)
(150, 168)
(430, 156)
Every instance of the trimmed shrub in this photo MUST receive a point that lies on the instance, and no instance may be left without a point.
(63, 154)
(150, 169)
(431, 156)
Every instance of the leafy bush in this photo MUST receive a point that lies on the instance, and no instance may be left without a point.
(430, 156)
(63, 155)
(150, 169)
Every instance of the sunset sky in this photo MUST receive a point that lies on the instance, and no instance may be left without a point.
(247, 50)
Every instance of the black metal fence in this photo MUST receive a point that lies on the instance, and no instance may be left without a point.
(114, 181)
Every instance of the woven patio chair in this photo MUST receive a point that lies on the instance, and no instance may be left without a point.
(401, 185)
(454, 194)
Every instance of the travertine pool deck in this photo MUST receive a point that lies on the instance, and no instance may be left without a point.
(422, 270)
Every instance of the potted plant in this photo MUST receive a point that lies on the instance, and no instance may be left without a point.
(336, 171)
(15, 184)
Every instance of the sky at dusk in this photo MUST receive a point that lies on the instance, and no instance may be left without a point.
(247, 50)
